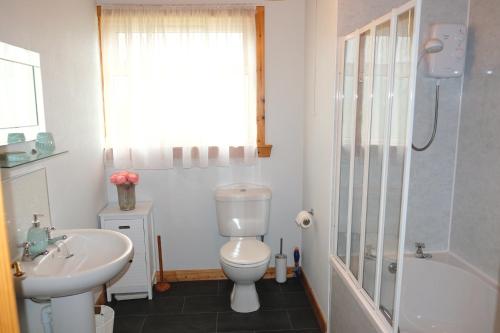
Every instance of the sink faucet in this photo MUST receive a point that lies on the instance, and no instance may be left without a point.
(27, 253)
(420, 252)
(53, 240)
(50, 239)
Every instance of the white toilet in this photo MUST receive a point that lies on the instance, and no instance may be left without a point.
(243, 215)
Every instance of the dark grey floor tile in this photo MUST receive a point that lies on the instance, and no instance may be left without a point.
(313, 330)
(262, 286)
(267, 286)
(303, 318)
(130, 307)
(191, 288)
(292, 284)
(198, 304)
(203, 322)
(225, 287)
(259, 320)
(170, 305)
(145, 306)
(128, 324)
(288, 300)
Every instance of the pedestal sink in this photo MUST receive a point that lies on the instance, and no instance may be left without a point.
(87, 258)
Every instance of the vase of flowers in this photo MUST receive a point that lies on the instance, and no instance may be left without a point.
(125, 182)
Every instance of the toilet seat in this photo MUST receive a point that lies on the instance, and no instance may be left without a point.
(245, 253)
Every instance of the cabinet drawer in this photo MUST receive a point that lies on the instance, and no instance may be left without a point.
(135, 274)
(133, 229)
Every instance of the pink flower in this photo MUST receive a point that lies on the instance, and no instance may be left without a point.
(120, 179)
(112, 179)
(133, 177)
(124, 177)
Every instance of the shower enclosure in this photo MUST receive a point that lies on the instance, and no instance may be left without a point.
(377, 76)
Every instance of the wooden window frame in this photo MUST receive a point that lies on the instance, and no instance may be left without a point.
(263, 148)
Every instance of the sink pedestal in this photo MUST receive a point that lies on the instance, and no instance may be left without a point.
(73, 314)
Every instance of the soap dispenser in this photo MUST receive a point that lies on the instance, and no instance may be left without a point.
(37, 237)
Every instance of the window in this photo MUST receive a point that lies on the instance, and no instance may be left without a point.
(183, 81)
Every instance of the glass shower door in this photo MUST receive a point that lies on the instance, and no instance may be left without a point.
(376, 114)
(377, 138)
(361, 146)
(397, 151)
(348, 106)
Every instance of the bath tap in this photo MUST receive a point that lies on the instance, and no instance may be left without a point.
(420, 252)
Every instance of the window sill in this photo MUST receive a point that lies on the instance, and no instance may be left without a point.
(264, 150)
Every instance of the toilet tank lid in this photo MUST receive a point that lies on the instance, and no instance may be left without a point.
(242, 192)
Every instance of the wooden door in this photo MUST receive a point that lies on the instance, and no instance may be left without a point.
(8, 309)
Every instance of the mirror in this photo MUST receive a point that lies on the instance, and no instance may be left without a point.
(21, 100)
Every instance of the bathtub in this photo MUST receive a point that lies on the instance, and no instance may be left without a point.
(444, 295)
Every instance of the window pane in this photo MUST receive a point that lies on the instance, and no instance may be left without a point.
(179, 77)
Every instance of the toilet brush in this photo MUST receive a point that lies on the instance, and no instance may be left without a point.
(280, 265)
(161, 286)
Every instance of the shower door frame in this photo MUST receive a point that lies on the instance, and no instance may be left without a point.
(369, 305)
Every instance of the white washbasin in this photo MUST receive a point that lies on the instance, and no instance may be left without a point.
(86, 259)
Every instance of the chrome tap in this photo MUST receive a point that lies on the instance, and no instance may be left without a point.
(53, 240)
(420, 252)
(27, 255)
(26, 251)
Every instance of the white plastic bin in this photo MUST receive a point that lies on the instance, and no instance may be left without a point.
(104, 321)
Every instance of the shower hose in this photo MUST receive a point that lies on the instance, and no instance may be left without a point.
(436, 115)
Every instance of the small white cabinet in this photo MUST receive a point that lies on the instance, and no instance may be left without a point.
(137, 279)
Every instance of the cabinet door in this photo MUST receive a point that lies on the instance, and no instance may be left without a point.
(133, 278)
(132, 228)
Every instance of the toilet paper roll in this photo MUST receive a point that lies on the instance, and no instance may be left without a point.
(304, 219)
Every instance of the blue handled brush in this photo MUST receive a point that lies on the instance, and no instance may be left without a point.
(296, 259)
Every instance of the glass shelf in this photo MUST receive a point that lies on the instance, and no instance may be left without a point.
(29, 158)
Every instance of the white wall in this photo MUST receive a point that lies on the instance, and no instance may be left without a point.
(183, 198)
(475, 231)
(432, 171)
(27, 195)
(318, 142)
(64, 32)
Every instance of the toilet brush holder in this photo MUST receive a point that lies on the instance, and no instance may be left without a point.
(280, 266)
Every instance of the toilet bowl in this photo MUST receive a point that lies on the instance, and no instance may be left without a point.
(244, 261)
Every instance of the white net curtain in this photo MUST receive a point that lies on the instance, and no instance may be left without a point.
(179, 85)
